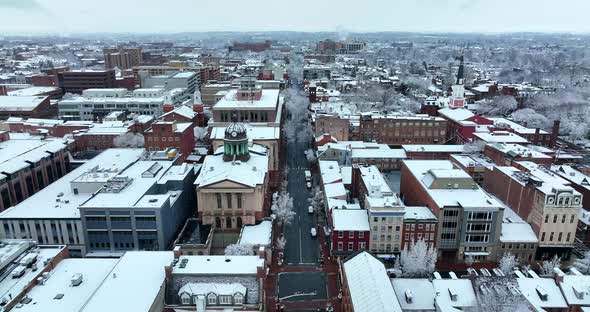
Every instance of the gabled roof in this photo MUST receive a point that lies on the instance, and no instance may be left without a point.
(368, 284)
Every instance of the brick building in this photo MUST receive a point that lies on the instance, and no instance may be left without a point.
(432, 151)
(122, 58)
(76, 81)
(26, 107)
(170, 134)
(419, 224)
(399, 129)
(544, 200)
(350, 231)
(333, 125)
(508, 154)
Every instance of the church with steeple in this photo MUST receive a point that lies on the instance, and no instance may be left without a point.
(232, 185)
(458, 96)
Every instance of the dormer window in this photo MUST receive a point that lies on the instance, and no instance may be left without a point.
(211, 299)
(225, 300)
(238, 299)
(185, 298)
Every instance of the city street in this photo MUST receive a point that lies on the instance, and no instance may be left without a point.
(301, 249)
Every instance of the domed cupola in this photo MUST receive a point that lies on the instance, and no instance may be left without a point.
(235, 142)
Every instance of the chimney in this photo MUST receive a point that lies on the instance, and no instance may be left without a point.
(168, 272)
(558, 275)
(554, 133)
(536, 137)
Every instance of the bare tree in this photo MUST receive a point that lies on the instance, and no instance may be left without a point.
(281, 242)
(547, 266)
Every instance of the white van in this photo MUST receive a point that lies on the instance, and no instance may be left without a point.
(310, 209)
(307, 175)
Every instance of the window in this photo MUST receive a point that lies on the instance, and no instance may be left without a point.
(224, 299)
(218, 196)
(413, 227)
(186, 299)
(163, 139)
(407, 236)
(568, 237)
(211, 299)
(239, 200)
(397, 228)
(543, 236)
(407, 227)
(361, 234)
(350, 246)
(551, 237)
(546, 218)
(340, 234)
(559, 236)
(362, 245)
(228, 196)
(563, 219)
(340, 246)
(350, 234)
(555, 219)
(420, 226)
(238, 299)
(572, 218)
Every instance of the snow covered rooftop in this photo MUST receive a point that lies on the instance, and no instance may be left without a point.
(22, 150)
(500, 137)
(434, 148)
(133, 285)
(541, 292)
(58, 200)
(32, 91)
(20, 103)
(374, 182)
(418, 213)
(516, 150)
(215, 265)
(73, 298)
(254, 133)
(182, 110)
(414, 293)
(378, 153)
(350, 220)
(457, 114)
(259, 234)
(369, 286)
(268, 101)
(462, 288)
(249, 173)
(571, 174)
(500, 122)
(576, 289)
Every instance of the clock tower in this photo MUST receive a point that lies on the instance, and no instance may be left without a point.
(235, 141)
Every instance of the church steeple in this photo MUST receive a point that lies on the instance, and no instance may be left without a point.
(235, 141)
(458, 97)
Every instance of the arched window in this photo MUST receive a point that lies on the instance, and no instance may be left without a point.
(555, 219)
(218, 222)
(211, 299)
(228, 223)
(546, 218)
(185, 298)
(239, 222)
(238, 299)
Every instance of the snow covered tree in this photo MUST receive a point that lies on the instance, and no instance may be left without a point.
(282, 207)
(239, 250)
(418, 261)
(498, 106)
(507, 263)
(310, 155)
(131, 140)
(583, 264)
(474, 147)
(469, 261)
(530, 117)
(281, 242)
(547, 266)
(201, 134)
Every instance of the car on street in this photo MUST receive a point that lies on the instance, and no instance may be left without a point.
(313, 232)
(307, 175)
(308, 185)
(310, 209)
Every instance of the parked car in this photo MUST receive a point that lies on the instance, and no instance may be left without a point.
(310, 209)
(308, 185)
(307, 175)
(314, 232)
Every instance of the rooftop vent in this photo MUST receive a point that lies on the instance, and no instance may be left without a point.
(408, 294)
(152, 171)
(543, 295)
(58, 296)
(76, 279)
(578, 291)
(453, 294)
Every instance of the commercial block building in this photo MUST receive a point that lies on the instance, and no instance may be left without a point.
(544, 200)
(398, 129)
(122, 58)
(469, 219)
(170, 134)
(26, 107)
(76, 81)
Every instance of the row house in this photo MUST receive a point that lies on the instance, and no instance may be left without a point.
(350, 231)
(544, 200)
(171, 134)
(506, 154)
(419, 224)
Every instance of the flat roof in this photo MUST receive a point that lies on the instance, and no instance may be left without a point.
(16, 153)
(32, 91)
(268, 100)
(134, 283)
(44, 204)
(213, 265)
(350, 220)
(93, 272)
(434, 148)
(254, 132)
(259, 234)
(20, 103)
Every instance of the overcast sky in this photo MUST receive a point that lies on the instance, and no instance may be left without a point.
(147, 16)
